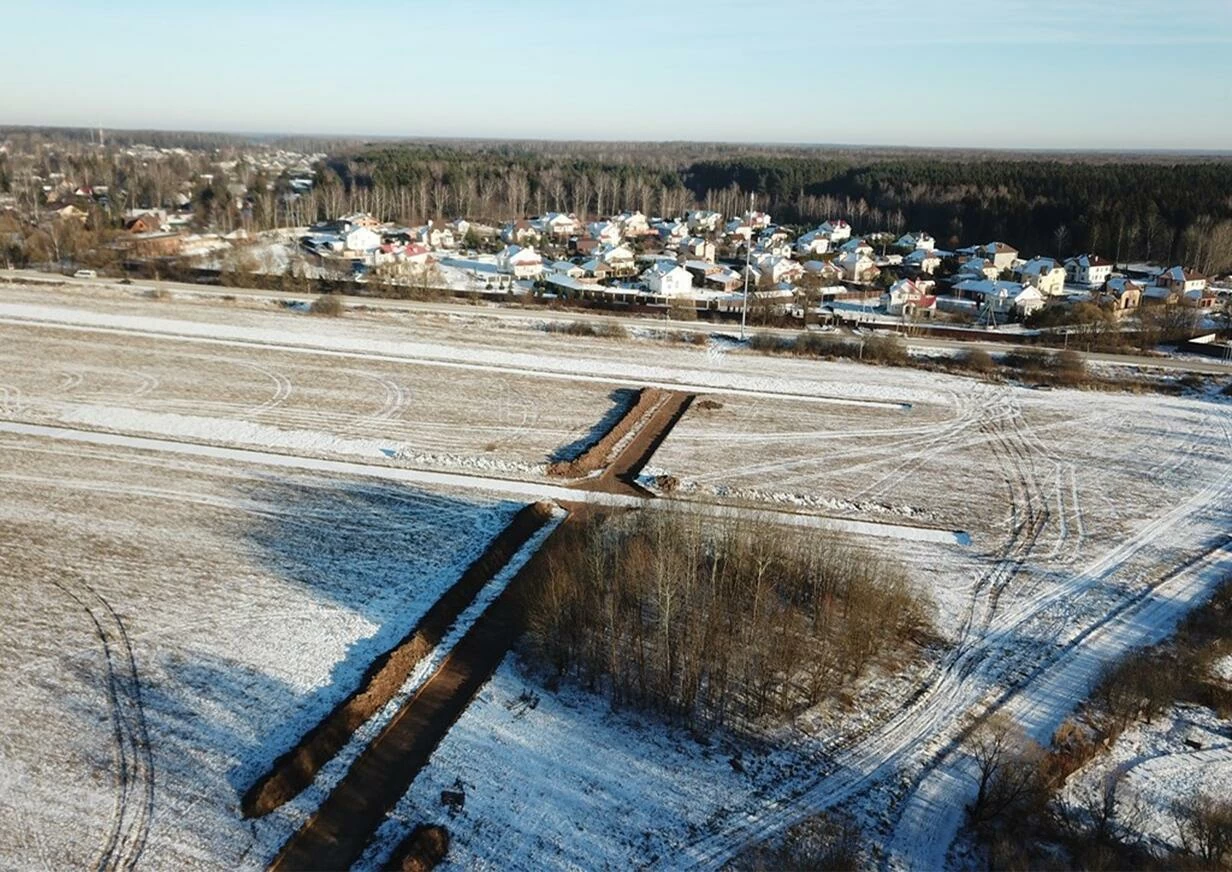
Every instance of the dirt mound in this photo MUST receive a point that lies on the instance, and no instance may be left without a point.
(296, 769)
(595, 457)
(421, 851)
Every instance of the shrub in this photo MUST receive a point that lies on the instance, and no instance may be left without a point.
(1227, 391)
(886, 348)
(329, 305)
(579, 328)
(610, 330)
(767, 342)
(977, 360)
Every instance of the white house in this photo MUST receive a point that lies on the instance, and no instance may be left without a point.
(360, 238)
(813, 242)
(922, 260)
(825, 271)
(921, 241)
(836, 229)
(859, 246)
(619, 258)
(909, 299)
(704, 221)
(1043, 274)
(520, 232)
(1180, 280)
(737, 227)
(669, 280)
(1002, 297)
(1088, 269)
(1001, 255)
(671, 232)
(779, 269)
(522, 263)
(606, 232)
(857, 266)
(558, 225)
(567, 268)
(633, 224)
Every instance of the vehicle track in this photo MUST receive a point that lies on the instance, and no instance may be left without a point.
(134, 800)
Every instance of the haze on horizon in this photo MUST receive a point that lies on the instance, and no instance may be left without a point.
(1091, 74)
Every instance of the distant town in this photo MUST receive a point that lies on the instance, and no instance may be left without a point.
(263, 214)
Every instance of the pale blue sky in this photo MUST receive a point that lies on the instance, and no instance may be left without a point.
(1012, 73)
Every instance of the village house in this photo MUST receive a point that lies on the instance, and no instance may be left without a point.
(857, 245)
(836, 229)
(777, 269)
(999, 254)
(1088, 269)
(359, 219)
(923, 261)
(704, 221)
(977, 268)
(558, 225)
(1122, 295)
(757, 220)
(1002, 298)
(435, 237)
(909, 299)
(813, 242)
(1044, 274)
(697, 247)
(521, 263)
(736, 228)
(857, 266)
(520, 232)
(916, 241)
(567, 268)
(605, 232)
(147, 222)
(633, 224)
(360, 239)
(619, 259)
(823, 271)
(671, 232)
(596, 269)
(1180, 280)
(667, 279)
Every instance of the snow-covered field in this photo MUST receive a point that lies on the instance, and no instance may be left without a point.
(1095, 520)
(172, 626)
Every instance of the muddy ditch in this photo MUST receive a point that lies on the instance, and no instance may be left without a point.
(336, 835)
(596, 456)
(295, 770)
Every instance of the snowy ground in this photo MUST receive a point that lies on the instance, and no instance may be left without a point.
(174, 625)
(1095, 520)
(1186, 751)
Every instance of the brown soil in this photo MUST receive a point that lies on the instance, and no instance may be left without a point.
(421, 851)
(621, 474)
(595, 457)
(296, 769)
(335, 836)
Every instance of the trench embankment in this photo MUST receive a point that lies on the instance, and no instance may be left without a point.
(336, 835)
(295, 770)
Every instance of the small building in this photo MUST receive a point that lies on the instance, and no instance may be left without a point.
(858, 266)
(916, 241)
(1003, 298)
(922, 260)
(704, 221)
(1123, 295)
(836, 229)
(1181, 280)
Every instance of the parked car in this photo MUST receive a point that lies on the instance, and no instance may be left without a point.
(85, 274)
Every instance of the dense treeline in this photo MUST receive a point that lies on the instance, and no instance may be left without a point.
(1123, 208)
(714, 621)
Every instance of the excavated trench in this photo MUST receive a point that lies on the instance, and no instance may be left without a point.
(337, 834)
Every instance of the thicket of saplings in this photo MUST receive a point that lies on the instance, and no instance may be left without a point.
(1016, 810)
(717, 622)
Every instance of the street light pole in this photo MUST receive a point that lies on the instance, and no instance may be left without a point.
(748, 256)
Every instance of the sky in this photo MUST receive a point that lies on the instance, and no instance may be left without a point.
(1104, 74)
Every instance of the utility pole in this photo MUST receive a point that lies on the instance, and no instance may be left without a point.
(748, 256)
